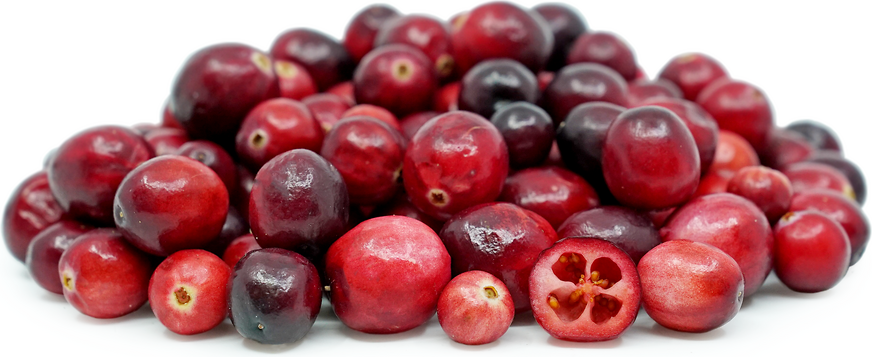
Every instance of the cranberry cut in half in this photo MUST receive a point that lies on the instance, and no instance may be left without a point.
(494, 83)
(812, 252)
(626, 228)
(585, 290)
(188, 291)
(806, 176)
(582, 83)
(399, 78)
(294, 81)
(274, 127)
(566, 24)
(841, 209)
(361, 32)
(425, 33)
(31, 208)
(475, 308)
(692, 72)
(528, 131)
(606, 49)
(739, 107)
(818, 135)
(551, 192)
(45, 250)
(770, 190)
(326, 60)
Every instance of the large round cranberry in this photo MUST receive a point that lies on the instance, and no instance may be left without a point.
(274, 127)
(770, 190)
(528, 131)
(45, 250)
(188, 291)
(580, 140)
(812, 252)
(399, 78)
(702, 126)
(581, 83)
(551, 192)
(841, 209)
(363, 28)
(739, 107)
(326, 108)
(811, 175)
(606, 49)
(692, 72)
(494, 83)
(641, 90)
(30, 209)
(326, 60)
(627, 229)
(425, 33)
(566, 24)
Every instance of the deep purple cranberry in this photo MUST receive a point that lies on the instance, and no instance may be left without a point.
(692, 72)
(566, 24)
(30, 209)
(494, 83)
(848, 168)
(326, 60)
(641, 91)
(818, 135)
(363, 28)
(216, 158)
(551, 192)
(739, 107)
(702, 126)
(626, 228)
(528, 132)
(399, 78)
(425, 33)
(235, 225)
(606, 49)
(581, 83)
(45, 250)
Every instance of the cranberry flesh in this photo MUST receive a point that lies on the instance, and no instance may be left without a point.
(770, 190)
(551, 192)
(739, 107)
(702, 126)
(843, 210)
(627, 229)
(582, 83)
(818, 135)
(238, 248)
(806, 176)
(30, 209)
(425, 33)
(494, 83)
(386, 275)
(294, 81)
(733, 153)
(640, 91)
(692, 72)
(585, 289)
(188, 291)
(325, 59)
(475, 308)
(216, 158)
(690, 286)
(45, 250)
(326, 108)
(274, 127)
(812, 252)
(848, 168)
(364, 26)
(566, 24)
(580, 139)
(528, 131)
(606, 49)
(398, 78)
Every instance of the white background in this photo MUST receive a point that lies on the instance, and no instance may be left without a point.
(67, 66)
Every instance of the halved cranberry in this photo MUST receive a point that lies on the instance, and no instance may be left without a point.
(769, 189)
(45, 250)
(552, 192)
(325, 59)
(399, 78)
(326, 108)
(566, 24)
(274, 127)
(692, 72)
(423, 32)
(812, 252)
(702, 126)
(363, 28)
(413, 122)
(582, 83)
(806, 176)
(165, 141)
(818, 135)
(848, 168)
(606, 49)
(739, 107)
(841, 209)
(640, 91)
(494, 83)
(627, 229)
(295, 82)
(216, 158)
(528, 131)
(31, 208)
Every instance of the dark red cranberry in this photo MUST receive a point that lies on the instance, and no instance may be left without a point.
(818, 135)
(188, 291)
(784, 147)
(627, 229)
(364, 26)
(848, 168)
(692, 72)
(582, 83)
(411, 123)
(374, 112)
(843, 210)
(806, 176)
(640, 91)
(274, 127)
(168, 119)
(344, 90)
(216, 88)
(733, 153)
(88, 167)
(499, 238)
(494, 83)
(165, 141)
(215, 158)
(446, 97)
(566, 24)
(325, 59)
(398, 78)
(551, 192)
(44, 252)
(528, 131)
(30, 209)
(295, 82)
(580, 139)
(769, 189)
(234, 226)
(326, 108)
(739, 107)
(475, 308)
(238, 248)
(702, 126)
(606, 49)
(400, 205)
(425, 33)
(812, 251)
(242, 193)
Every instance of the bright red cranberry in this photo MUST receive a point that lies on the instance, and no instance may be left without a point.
(216, 158)
(188, 291)
(806, 176)
(216, 88)
(627, 229)
(88, 167)
(45, 250)
(732, 224)
(295, 82)
(769, 189)
(606, 49)
(30, 209)
(784, 147)
(399, 78)
(528, 131)
(103, 275)
(650, 160)
(494, 83)
(446, 97)
(566, 24)
(364, 26)
(375, 112)
(475, 308)
(843, 210)
(713, 181)
(275, 296)
(739, 107)
(641, 91)
(702, 126)
(235, 225)
(692, 72)
(582, 83)
(165, 141)
(168, 119)
(425, 33)
(326, 108)
(344, 90)
(400, 205)
(848, 168)
(238, 248)
(326, 60)
(386, 274)
(457, 160)
(733, 153)
(812, 251)
(690, 286)
(585, 289)
(274, 127)
(552, 192)
(818, 135)
(171, 203)
(410, 124)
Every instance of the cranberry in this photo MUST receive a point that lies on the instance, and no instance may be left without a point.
(398, 78)
(770, 190)
(386, 274)
(274, 127)
(739, 107)
(812, 251)
(627, 229)
(843, 210)
(552, 192)
(242, 193)
(606, 49)
(714, 181)
(692, 72)
(375, 112)
(580, 139)
(818, 135)
(364, 26)
(145, 128)
(640, 91)
(165, 141)
(325, 59)
(188, 291)
(234, 226)
(582, 83)
(275, 296)
(344, 90)
(733, 153)
(30, 209)
(660, 216)
(326, 108)
(784, 147)
(424, 33)
(690, 286)
(585, 289)
(168, 119)
(216, 158)
(456, 160)
(702, 126)
(446, 97)
(88, 167)
(848, 168)
(238, 248)
(104, 276)
(413, 122)
(732, 224)
(475, 308)
(400, 205)
(528, 132)
(492, 84)
(295, 82)
(45, 251)
(544, 78)
(811, 175)
(566, 24)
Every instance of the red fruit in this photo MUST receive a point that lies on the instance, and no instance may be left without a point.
(812, 251)
(846, 167)
(30, 209)
(326, 108)
(580, 140)
(566, 24)
(551, 192)
(641, 91)
(165, 141)
(806, 176)
(446, 97)
(168, 120)
(242, 194)
(423, 32)
(784, 147)
(816, 134)
(363, 28)
(373, 111)
(235, 225)
(398, 78)
(733, 153)
(606, 49)
(494, 83)
(627, 229)
(412, 123)
(739, 107)
(690, 286)
(582, 83)
(294, 81)
(770, 190)
(45, 251)
(692, 72)
(401, 206)
(585, 289)
(326, 60)
(475, 308)
(841, 209)
(274, 127)
(216, 158)
(344, 90)
(238, 248)
(702, 126)
(188, 291)
(714, 181)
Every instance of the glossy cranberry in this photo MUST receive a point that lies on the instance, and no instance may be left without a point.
(554, 158)
(216, 158)
(295, 82)
(580, 139)
(812, 251)
(168, 119)
(848, 168)
(446, 97)
(410, 124)
(456, 160)
(582, 83)
(739, 107)
(30, 209)
(375, 112)
(806, 176)
(627, 229)
(733, 153)
(44, 252)
(425, 33)
(702, 126)
(784, 147)
(188, 291)
(274, 127)
(88, 167)
(818, 135)
(325, 59)
(494, 83)
(528, 132)
(165, 141)
(692, 72)
(551, 192)
(640, 91)
(660, 216)
(242, 193)
(843, 210)
(326, 108)
(344, 90)
(585, 289)
(606, 49)
(400, 205)
(475, 308)
(713, 181)
(566, 24)
(275, 296)
(732, 224)
(238, 248)
(103, 275)
(690, 286)
(364, 26)
(235, 225)
(769, 189)
(216, 88)
(398, 78)
(386, 275)
(298, 202)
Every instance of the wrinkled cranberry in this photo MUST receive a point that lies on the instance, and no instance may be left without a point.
(606, 49)
(692, 72)
(627, 229)
(739, 107)
(566, 24)
(274, 127)
(551, 192)
(30, 209)
(399, 78)
(363, 28)
(425, 33)
(528, 131)
(325, 59)
(582, 83)
(494, 83)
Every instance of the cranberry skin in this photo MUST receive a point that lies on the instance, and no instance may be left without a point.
(456, 160)
(812, 252)
(242, 194)
(369, 155)
(585, 290)
(165, 141)
(551, 192)
(87, 169)
(660, 216)
(217, 86)
(528, 132)
(690, 286)
(45, 250)
(425, 33)
(274, 127)
(326, 108)
(492, 84)
(412, 123)
(714, 181)
(732, 224)
(294, 81)
(702, 126)
(501, 30)
(627, 229)
(103, 275)
(401, 206)
(238, 248)
(692, 72)
(844, 211)
(326, 60)
(446, 97)
(501, 239)
(582, 83)
(188, 291)
(848, 168)
(299, 202)
(373, 111)
(171, 203)
(386, 275)
(216, 158)
(361, 32)
(398, 78)
(806, 176)
(475, 308)
(640, 91)
(274, 296)
(733, 153)
(168, 120)
(606, 49)
(818, 135)
(650, 160)
(580, 140)
(770, 190)
(30, 209)
(566, 24)
(739, 107)
(235, 225)
(784, 147)
(344, 90)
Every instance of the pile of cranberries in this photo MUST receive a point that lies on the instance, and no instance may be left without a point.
(504, 161)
